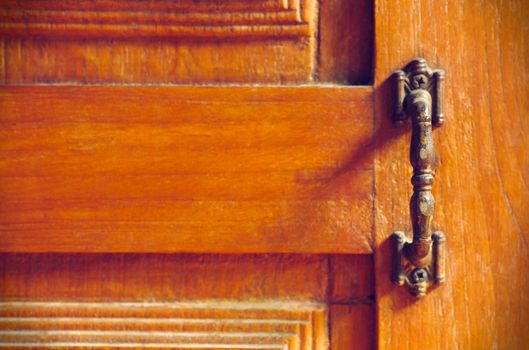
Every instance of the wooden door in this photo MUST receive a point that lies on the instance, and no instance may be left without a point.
(168, 183)
(481, 181)
(211, 175)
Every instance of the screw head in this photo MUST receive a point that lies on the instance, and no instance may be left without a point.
(419, 275)
(419, 81)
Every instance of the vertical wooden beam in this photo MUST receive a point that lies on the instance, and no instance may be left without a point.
(481, 180)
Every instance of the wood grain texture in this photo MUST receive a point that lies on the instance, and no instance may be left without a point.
(346, 42)
(158, 5)
(198, 324)
(266, 301)
(481, 183)
(166, 277)
(353, 327)
(353, 279)
(181, 169)
(162, 42)
(46, 61)
(265, 42)
(175, 20)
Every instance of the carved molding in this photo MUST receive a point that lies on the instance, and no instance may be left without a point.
(182, 19)
(189, 325)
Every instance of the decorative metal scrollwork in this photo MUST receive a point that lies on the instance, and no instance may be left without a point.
(419, 262)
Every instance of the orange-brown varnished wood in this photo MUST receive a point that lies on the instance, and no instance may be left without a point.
(353, 278)
(353, 327)
(159, 5)
(167, 277)
(46, 61)
(260, 169)
(481, 181)
(186, 169)
(125, 300)
(346, 41)
(263, 42)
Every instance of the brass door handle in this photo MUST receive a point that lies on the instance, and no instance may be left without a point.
(419, 262)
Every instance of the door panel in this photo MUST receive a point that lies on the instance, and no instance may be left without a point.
(265, 301)
(175, 41)
(186, 169)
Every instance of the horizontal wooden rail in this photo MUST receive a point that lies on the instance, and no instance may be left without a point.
(186, 169)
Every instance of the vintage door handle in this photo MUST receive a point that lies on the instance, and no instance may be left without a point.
(419, 263)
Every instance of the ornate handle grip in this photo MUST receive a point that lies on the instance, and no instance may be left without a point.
(419, 263)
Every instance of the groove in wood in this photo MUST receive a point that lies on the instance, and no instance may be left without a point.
(230, 20)
(200, 324)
